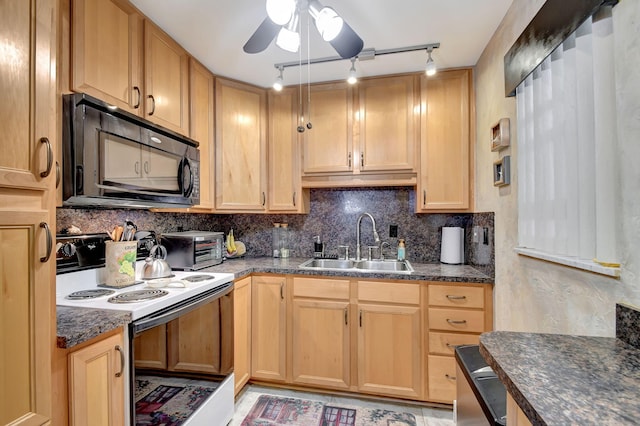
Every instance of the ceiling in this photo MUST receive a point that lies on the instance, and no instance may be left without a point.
(214, 32)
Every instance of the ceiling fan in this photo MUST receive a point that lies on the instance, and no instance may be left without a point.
(282, 21)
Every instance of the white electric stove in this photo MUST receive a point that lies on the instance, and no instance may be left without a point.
(70, 285)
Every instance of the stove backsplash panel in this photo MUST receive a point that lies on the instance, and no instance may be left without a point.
(333, 215)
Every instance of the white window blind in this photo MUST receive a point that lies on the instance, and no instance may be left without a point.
(567, 169)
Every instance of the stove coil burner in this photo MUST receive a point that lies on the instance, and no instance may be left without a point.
(198, 278)
(137, 296)
(89, 294)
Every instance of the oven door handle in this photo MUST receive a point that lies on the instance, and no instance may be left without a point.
(179, 309)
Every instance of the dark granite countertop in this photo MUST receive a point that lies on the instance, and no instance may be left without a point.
(563, 379)
(422, 271)
(77, 325)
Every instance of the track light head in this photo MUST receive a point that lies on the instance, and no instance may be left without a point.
(353, 77)
(430, 68)
(278, 84)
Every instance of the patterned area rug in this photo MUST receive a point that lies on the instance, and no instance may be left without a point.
(168, 401)
(274, 410)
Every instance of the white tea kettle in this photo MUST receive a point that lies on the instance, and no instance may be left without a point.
(155, 265)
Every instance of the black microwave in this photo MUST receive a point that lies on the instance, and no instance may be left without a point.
(112, 158)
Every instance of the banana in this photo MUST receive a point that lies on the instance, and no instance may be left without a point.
(231, 244)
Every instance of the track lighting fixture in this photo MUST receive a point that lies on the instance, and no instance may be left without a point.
(431, 68)
(277, 85)
(353, 77)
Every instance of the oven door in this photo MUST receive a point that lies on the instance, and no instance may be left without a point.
(182, 362)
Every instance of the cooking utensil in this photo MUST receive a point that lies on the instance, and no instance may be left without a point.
(155, 265)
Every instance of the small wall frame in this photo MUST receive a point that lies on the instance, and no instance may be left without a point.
(500, 135)
(502, 171)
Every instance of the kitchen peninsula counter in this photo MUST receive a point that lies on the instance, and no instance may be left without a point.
(563, 379)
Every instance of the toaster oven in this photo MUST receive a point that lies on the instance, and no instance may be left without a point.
(193, 250)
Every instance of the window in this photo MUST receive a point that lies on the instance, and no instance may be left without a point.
(567, 168)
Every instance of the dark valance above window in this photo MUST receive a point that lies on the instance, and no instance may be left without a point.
(550, 27)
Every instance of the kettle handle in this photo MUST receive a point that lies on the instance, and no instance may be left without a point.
(158, 247)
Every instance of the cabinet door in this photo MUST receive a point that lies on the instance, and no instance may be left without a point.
(285, 187)
(320, 337)
(444, 181)
(106, 47)
(268, 328)
(240, 147)
(442, 378)
(27, 95)
(242, 332)
(25, 316)
(328, 145)
(194, 341)
(166, 83)
(150, 348)
(388, 123)
(96, 383)
(202, 100)
(389, 350)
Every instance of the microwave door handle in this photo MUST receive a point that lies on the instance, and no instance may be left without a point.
(184, 164)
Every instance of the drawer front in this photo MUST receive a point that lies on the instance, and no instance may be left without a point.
(442, 378)
(404, 293)
(443, 343)
(456, 296)
(321, 288)
(456, 320)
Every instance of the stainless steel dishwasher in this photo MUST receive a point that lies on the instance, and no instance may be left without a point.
(481, 397)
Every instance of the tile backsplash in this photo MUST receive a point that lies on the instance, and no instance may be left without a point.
(333, 215)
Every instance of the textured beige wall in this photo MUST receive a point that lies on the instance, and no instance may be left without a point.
(532, 295)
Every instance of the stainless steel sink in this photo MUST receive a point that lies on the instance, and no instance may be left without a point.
(373, 266)
(328, 264)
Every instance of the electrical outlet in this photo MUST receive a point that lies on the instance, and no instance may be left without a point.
(393, 231)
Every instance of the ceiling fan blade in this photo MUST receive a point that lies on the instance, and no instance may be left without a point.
(348, 44)
(262, 37)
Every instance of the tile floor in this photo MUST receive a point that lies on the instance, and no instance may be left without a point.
(424, 416)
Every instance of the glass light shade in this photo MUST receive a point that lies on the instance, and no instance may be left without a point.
(431, 68)
(280, 11)
(288, 40)
(353, 77)
(329, 24)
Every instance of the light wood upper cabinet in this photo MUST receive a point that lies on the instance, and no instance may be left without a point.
(202, 113)
(166, 83)
(268, 327)
(285, 185)
(107, 52)
(96, 383)
(27, 210)
(321, 333)
(328, 146)
(242, 332)
(388, 124)
(241, 144)
(445, 142)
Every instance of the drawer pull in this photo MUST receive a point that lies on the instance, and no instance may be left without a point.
(450, 377)
(451, 321)
(453, 297)
(119, 349)
(450, 346)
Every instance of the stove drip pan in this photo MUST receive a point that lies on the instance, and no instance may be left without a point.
(198, 278)
(89, 294)
(137, 296)
(105, 285)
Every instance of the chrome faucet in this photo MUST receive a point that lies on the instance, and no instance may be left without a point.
(376, 237)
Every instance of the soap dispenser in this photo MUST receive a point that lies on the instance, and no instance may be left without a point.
(318, 247)
(401, 249)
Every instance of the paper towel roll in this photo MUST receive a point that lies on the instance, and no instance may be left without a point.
(452, 247)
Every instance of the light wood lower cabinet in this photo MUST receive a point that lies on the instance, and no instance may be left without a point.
(515, 415)
(268, 327)
(96, 383)
(456, 315)
(150, 348)
(389, 339)
(242, 332)
(320, 333)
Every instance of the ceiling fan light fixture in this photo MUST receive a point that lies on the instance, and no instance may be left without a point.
(281, 11)
(327, 20)
(288, 37)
